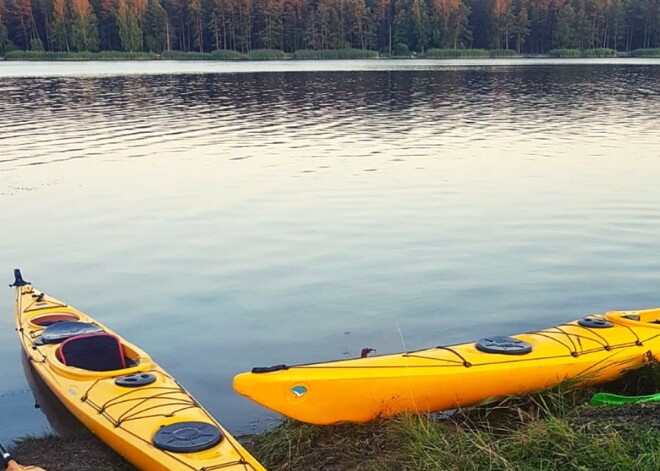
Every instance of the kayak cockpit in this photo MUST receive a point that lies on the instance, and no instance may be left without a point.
(647, 317)
(77, 346)
(93, 352)
(94, 356)
(53, 318)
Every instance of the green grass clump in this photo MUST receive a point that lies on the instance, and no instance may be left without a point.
(654, 52)
(564, 53)
(502, 53)
(599, 52)
(185, 56)
(267, 55)
(218, 55)
(347, 53)
(547, 436)
(456, 53)
(226, 55)
(540, 435)
(78, 56)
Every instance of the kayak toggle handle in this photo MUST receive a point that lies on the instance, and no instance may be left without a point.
(269, 369)
(18, 279)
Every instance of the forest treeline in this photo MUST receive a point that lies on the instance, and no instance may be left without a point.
(526, 26)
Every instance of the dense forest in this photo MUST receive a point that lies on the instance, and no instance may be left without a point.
(527, 26)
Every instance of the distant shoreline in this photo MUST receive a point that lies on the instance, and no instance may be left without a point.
(334, 54)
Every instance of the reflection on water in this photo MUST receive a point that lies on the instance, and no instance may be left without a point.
(227, 220)
(320, 114)
(59, 418)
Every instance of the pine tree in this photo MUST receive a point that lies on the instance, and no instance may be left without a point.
(4, 35)
(84, 30)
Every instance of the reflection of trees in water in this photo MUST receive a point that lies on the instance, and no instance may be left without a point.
(141, 115)
(246, 93)
(59, 418)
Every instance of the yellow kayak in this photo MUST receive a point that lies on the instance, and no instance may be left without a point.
(118, 392)
(595, 349)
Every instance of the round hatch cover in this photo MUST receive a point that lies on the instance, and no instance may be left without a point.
(60, 331)
(187, 437)
(136, 380)
(505, 345)
(595, 323)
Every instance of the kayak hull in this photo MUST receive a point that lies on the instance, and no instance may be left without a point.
(125, 418)
(448, 377)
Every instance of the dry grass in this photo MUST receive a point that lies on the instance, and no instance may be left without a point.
(81, 452)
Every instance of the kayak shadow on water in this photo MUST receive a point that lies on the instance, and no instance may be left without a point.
(59, 418)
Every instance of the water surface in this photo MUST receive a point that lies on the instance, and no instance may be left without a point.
(227, 216)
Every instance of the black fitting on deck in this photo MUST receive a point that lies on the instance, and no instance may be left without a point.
(269, 369)
(18, 279)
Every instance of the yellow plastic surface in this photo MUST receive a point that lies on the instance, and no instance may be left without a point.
(436, 379)
(124, 418)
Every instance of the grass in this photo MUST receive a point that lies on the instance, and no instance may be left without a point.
(554, 430)
(347, 53)
(551, 431)
(646, 52)
(78, 56)
(79, 452)
(534, 440)
(564, 53)
(457, 53)
(597, 52)
(535, 436)
(267, 54)
(275, 54)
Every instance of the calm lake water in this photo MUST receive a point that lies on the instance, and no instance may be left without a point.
(224, 216)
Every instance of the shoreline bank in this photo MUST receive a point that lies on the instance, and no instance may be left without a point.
(331, 54)
(552, 430)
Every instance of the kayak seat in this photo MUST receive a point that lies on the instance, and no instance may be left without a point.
(60, 331)
(93, 352)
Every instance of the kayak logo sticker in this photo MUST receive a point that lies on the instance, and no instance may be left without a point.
(299, 391)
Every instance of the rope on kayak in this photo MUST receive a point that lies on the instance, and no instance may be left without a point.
(133, 413)
(466, 363)
(227, 465)
(567, 334)
(456, 363)
(547, 333)
(34, 347)
(604, 343)
(638, 341)
(555, 339)
(187, 401)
